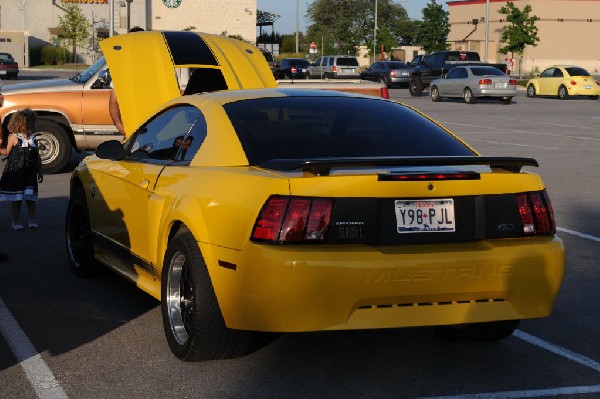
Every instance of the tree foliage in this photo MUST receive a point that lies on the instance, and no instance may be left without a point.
(263, 17)
(288, 43)
(521, 32)
(432, 33)
(340, 26)
(74, 28)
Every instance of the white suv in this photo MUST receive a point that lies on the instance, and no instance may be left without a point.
(334, 66)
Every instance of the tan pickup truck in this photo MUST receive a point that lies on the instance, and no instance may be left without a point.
(73, 113)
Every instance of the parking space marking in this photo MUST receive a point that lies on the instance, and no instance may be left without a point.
(536, 393)
(513, 144)
(518, 131)
(561, 125)
(578, 234)
(37, 372)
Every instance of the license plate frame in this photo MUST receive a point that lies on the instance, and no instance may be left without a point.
(412, 215)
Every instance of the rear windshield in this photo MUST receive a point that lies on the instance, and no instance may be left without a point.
(298, 62)
(347, 61)
(397, 65)
(332, 126)
(577, 72)
(487, 71)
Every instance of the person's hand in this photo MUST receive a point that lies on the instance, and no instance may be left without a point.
(40, 177)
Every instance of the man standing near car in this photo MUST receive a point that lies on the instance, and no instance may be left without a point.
(113, 104)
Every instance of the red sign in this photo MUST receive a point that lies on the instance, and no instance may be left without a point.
(313, 45)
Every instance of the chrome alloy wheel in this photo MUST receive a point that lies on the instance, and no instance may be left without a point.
(180, 298)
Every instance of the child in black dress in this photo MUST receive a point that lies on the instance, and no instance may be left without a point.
(23, 169)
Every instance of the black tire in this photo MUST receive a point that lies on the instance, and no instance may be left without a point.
(434, 94)
(54, 146)
(468, 96)
(192, 319)
(478, 332)
(415, 87)
(531, 91)
(78, 236)
(563, 93)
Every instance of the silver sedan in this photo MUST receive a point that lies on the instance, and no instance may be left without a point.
(473, 81)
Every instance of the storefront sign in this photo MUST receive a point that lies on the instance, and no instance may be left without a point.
(86, 1)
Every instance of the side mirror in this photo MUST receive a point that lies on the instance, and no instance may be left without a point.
(112, 149)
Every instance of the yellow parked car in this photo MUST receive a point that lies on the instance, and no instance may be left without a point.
(564, 81)
(248, 210)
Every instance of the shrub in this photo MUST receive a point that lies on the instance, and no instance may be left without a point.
(52, 55)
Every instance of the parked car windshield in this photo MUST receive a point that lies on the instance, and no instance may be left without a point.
(333, 126)
(576, 71)
(397, 65)
(6, 57)
(486, 71)
(347, 61)
(91, 71)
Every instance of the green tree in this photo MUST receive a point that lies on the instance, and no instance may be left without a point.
(433, 31)
(74, 28)
(521, 32)
(288, 43)
(340, 26)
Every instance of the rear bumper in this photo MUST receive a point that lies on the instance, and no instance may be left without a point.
(495, 92)
(582, 91)
(302, 288)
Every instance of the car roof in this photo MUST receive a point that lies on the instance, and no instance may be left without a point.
(143, 66)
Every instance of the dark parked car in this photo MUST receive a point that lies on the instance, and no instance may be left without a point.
(291, 68)
(390, 73)
(8, 66)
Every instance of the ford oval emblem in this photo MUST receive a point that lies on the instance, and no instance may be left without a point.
(505, 227)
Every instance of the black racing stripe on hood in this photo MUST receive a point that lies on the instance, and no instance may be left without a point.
(189, 48)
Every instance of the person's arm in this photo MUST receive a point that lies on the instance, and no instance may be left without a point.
(10, 143)
(115, 112)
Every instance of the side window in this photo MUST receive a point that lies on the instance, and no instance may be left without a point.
(330, 63)
(161, 138)
(557, 73)
(462, 73)
(192, 142)
(547, 73)
(318, 62)
(453, 74)
(429, 60)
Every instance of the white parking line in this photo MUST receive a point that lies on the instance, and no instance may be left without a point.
(513, 144)
(578, 234)
(37, 372)
(538, 393)
(562, 125)
(518, 131)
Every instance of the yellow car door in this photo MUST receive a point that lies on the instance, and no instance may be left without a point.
(549, 81)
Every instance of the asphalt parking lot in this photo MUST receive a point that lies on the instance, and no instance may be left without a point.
(61, 336)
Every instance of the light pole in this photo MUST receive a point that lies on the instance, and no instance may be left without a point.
(111, 18)
(487, 28)
(297, 25)
(375, 33)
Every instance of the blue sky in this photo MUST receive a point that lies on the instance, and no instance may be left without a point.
(287, 10)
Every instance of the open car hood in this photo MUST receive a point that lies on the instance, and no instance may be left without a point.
(151, 68)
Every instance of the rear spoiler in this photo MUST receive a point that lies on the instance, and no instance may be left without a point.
(323, 166)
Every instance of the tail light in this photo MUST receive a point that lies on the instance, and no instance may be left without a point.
(598, 83)
(293, 220)
(385, 93)
(512, 82)
(485, 81)
(573, 83)
(293, 70)
(393, 73)
(333, 69)
(537, 215)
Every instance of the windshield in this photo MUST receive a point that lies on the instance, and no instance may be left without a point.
(576, 71)
(91, 71)
(333, 126)
(486, 71)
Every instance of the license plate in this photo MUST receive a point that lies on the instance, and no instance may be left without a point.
(425, 215)
(588, 86)
(303, 69)
(2, 72)
(348, 70)
(500, 85)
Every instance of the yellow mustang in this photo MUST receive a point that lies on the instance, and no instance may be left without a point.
(564, 81)
(248, 210)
